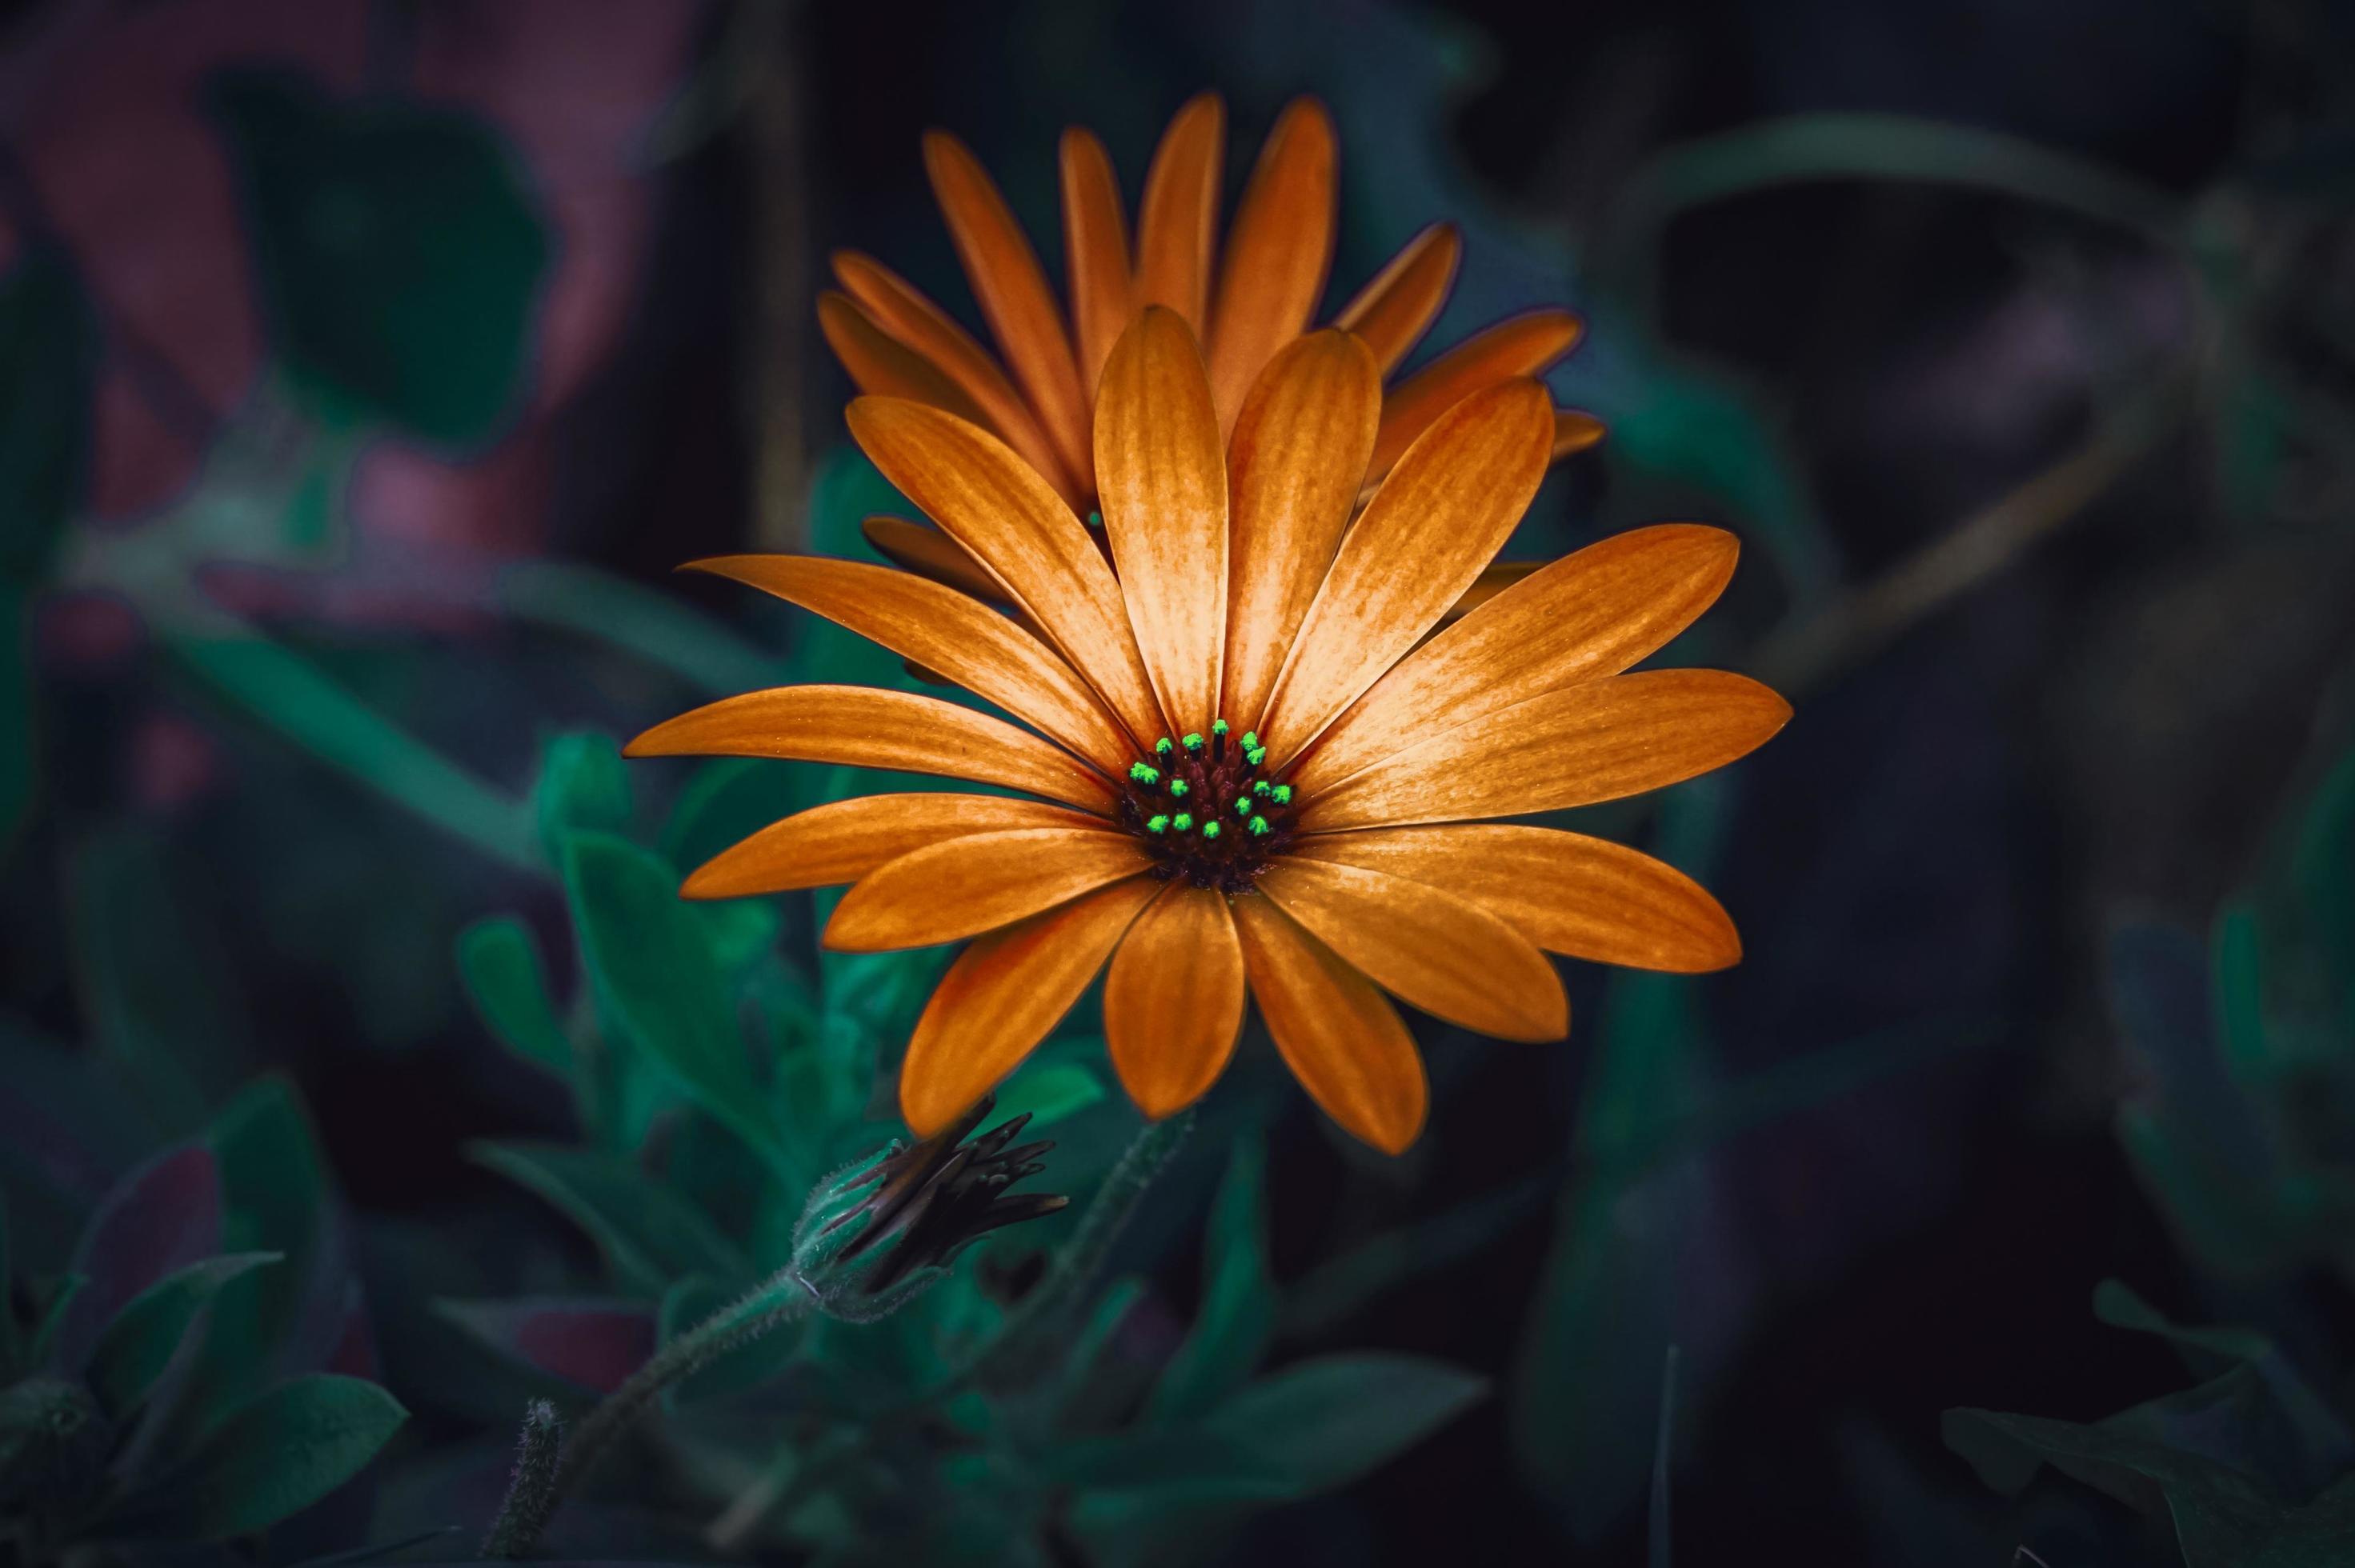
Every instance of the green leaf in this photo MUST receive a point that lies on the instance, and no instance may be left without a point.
(500, 965)
(1237, 1315)
(398, 252)
(583, 784)
(723, 803)
(49, 358)
(1049, 1092)
(133, 1351)
(274, 1182)
(1323, 1423)
(273, 1457)
(651, 958)
(649, 1235)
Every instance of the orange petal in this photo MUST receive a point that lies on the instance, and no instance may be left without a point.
(1596, 741)
(1001, 997)
(901, 310)
(962, 886)
(842, 841)
(1177, 219)
(1446, 955)
(926, 551)
(998, 507)
(1298, 455)
(1520, 346)
(1435, 522)
(1590, 614)
(1393, 311)
(949, 634)
(1095, 252)
(867, 728)
(1341, 1037)
(1012, 291)
(1162, 477)
(1567, 893)
(1278, 254)
(1174, 1000)
(1494, 578)
(879, 363)
(1574, 433)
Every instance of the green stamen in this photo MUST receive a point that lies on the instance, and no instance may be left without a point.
(1164, 747)
(1261, 785)
(1259, 827)
(1250, 740)
(1156, 824)
(1143, 772)
(1218, 727)
(1177, 787)
(1211, 830)
(1183, 821)
(1242, 806)
(1192, 742)
(1255, 755)
(1281, 794)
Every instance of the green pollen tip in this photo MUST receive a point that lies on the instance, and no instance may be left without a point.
(1210, 830)
(1183, 821)
(1281, 794)
(1156, 824)
(1250, 740)
(1143, 772)
(1261, 785)
(1164, 747)
(1218, 726)
(1177, 787)
(1242, 806)
(1192, 742)
(1259, 827)
(1255, 755)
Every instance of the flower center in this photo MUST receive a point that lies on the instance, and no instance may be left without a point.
(1203, 807)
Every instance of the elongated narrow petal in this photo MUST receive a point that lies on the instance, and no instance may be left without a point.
(900, 308)
(1177, 220)
(1574, 433)
(842, 841)
(1095, 253)
(1597, 741)
(1435, 522)
(926, 551)
(998, 507)
(1521, 346)
(1444, 954)
(1494, 578)
(1001, 997)
(947, 633)
(1277, 255)
(1590, 614)
(1174, 1000)
(1393, 311)
(867, 728)
(1012, 291)
(882, 364)
(1339, 1035)
(1162, 472)
(1566, 892)
(1298, 454)
(962, 886)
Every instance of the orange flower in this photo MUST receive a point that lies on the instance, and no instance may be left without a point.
(1261, 296)
(1249, 769)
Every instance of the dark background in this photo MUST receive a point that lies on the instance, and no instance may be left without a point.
(2095, 320)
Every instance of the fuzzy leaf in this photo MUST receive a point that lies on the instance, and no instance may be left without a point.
(134, 1352)
(273, 1457)
(162, 1217)
(583, 784)
(1323, 1423)
(509, 986)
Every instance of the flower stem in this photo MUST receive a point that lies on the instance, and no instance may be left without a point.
(778, 1301)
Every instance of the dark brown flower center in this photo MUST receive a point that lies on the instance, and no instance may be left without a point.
(1205, 808)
